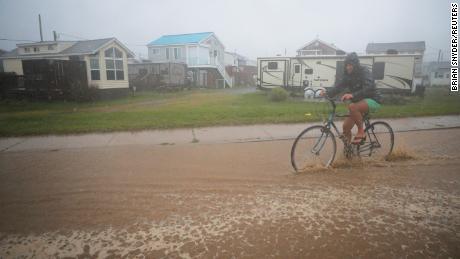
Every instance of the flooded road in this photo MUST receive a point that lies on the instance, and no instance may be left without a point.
(230, 200)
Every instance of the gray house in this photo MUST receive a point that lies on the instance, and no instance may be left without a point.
(106, 60)
(203, 53)
(414, 47)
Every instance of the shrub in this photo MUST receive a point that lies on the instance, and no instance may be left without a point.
(83, 93)
(394, 99)
(278, 94)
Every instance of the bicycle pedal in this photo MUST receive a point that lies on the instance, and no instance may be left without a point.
(359, 143)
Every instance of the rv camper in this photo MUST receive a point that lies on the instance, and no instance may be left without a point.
(392, 73)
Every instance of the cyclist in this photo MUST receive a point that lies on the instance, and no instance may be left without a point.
(362, 93)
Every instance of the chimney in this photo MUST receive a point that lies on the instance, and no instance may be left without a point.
(40, 25)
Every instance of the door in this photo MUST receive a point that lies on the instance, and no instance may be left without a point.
(203, 78)
(296, 76)
(273, 73)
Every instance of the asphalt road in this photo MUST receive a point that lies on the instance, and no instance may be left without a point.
(230, 200)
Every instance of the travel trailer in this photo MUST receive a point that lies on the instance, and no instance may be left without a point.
(392, 73)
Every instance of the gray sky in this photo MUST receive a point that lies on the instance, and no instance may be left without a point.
(252, 28)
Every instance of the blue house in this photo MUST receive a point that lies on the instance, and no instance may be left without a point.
(203, 53)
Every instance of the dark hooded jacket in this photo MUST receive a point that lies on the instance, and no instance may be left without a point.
(359, 83)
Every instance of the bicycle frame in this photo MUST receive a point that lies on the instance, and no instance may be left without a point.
(329, 125)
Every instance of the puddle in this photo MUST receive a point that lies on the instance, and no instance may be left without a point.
(226, 225)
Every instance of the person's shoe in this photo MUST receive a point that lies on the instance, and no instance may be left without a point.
(359, 140)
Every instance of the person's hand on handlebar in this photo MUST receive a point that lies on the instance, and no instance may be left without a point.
(322, 93)
(347, 97)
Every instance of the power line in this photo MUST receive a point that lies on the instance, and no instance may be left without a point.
(434, 47)
(17, 40)
(72, 36)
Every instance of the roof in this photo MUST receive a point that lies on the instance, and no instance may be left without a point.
(86, 46)
(10, 54)
(181, 38)
(42, 43)
(83, 47)
(399, 46)
(330, 45)
(238, 56)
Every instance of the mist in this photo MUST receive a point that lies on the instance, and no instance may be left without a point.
(251, 28)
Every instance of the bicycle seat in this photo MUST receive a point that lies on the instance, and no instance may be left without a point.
(366, 116)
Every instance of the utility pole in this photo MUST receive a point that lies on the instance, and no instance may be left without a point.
(40, 26)
(439, 56)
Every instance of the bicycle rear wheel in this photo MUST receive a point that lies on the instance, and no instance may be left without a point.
(380, 141)
(315, 146)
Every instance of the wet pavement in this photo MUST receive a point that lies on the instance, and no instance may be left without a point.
(227, 134)
(229, 200)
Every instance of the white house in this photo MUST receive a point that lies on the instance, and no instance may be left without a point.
(235, 59)
(106, 59)
(438, 73)
(203, 53)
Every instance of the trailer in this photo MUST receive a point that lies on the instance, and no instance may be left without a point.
(392, 73)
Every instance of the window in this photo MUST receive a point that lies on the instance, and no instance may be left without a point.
(26, 50)
(95, 70)
(272, 65)
(167, 53)
(176, 53)
(308, 71)
(36, 49)
(155, 51)
(378, 70)
(118, 53)
(438, 75)
(297, 69)
(114, 64)
(50, 47)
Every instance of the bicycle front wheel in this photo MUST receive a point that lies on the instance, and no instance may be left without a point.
(315, 146)
(380, 141)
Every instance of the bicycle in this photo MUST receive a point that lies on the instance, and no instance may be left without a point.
(320, 140)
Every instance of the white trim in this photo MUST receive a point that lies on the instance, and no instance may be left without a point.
(323, 42)
(215, 36)
(119, 43)
(114, 58)
(91, 69)
(186, 54)
(168, 45)
(177, 53)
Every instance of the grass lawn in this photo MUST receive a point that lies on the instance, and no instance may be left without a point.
(189, 109)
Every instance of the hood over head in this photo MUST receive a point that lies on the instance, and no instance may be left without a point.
(352, 58)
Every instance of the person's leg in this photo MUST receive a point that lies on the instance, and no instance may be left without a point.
(356, 111)
(348, 124)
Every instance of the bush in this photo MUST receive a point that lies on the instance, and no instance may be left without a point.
(394, 99)
(278, 94)
(83, 93)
